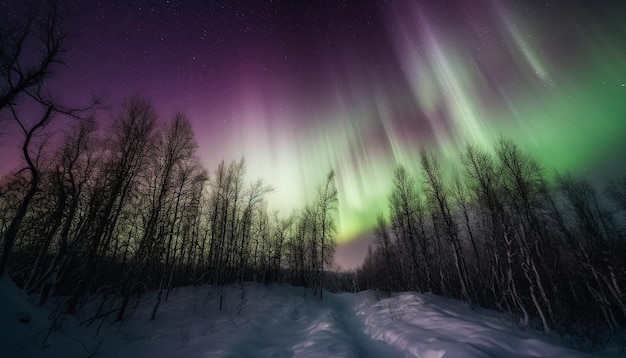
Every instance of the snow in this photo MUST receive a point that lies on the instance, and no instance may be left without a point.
(276, 321)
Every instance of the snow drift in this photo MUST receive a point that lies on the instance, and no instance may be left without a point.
(276, 321)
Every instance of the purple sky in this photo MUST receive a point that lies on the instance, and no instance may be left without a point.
(299, 87)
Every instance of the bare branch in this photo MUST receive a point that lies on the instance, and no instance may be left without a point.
(16, 75)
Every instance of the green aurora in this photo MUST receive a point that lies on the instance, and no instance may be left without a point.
(569, 112)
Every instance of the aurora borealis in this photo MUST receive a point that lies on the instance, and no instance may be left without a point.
(300, 87)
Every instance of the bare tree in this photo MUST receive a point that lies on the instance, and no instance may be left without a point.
(28, 54)
(178, 145)
(73, 165)
(326, 205)
(440, 203)
(384, 248)
(523, 180)
(50, 111)
(595, 246)
(407, 222)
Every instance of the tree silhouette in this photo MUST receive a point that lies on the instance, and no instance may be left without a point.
(23, 76)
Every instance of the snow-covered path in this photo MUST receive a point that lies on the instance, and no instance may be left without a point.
(273, 322)
(280, 321)
(353, 326)
(327, 328)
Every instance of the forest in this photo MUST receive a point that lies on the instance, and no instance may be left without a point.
(124, 208)
(134, 210)
(499, 233)
(110, 212)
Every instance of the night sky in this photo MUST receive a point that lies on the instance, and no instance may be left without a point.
(300, 87)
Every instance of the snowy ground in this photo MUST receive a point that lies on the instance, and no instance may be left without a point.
(278, 321)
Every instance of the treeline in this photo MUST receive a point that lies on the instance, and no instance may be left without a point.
(497, 233)
(129, 208)
(116, 211)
